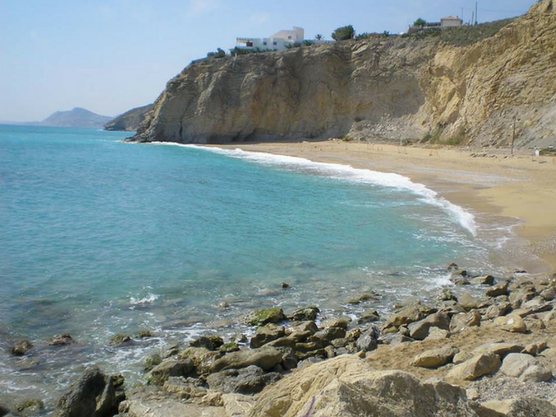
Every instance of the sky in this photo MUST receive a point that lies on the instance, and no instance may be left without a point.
(109, 56)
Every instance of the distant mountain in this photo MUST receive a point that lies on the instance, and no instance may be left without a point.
(76, 117)
(130, 120)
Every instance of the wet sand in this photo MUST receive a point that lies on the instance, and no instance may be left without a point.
(494, 182)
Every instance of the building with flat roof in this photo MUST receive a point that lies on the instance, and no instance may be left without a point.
(277, 42)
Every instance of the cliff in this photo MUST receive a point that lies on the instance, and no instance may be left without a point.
(391, 88)
(130, 120)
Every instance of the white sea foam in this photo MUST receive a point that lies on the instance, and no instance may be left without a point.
(346, 172)
(148, 299)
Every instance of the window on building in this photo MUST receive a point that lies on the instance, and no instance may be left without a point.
(264, 43)
(290, 38)
(275, 43)
(249, 44)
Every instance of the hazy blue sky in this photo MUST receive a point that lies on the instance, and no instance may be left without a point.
(111, 55)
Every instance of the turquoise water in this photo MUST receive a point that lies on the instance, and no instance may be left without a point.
(99, 237)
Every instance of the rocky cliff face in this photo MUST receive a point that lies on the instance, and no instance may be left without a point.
(393, 88)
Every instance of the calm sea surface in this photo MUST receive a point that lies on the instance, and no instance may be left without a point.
(99, 237)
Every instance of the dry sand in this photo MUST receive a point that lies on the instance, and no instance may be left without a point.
(521, 187)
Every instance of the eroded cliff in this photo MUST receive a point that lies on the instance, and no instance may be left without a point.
(392, 88)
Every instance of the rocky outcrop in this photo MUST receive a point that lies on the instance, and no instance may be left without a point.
(130, 120)
(392, 88)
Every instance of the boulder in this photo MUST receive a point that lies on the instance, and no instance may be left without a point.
(93, 395)
(474, 368)
(500, 349)
(265, 334)
(468, 302)
(501, 288)
(435, 358)
(368, 340)
(21, 347)
(208, 342)
(261, 317)
(394, 339)
(520, 407)
(202, 358)
(446, 294)
(497, 309)
(60, 340)
(4, 411)
(437, 334)
(337, 322)
(459, 277)
(537, 305)
(250, 380)
(185, 389)
(363, 298)
(160, 373)
(411, 313)
(483, 280)
(305, 314)
(525, 367)
(348, 387)
(301, 331)
(463, 321)
(265, 358)
(119, 339)
(512, 323)
(369, 316)
(420, 330)
(328, 334)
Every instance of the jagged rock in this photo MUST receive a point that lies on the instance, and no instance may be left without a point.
(348, 387)
(463, 321)
(446, 294)
(60, 340)
(500, 349)
(229, 347)
(498, 289)
(435, 358)
(496, 310)
(420, 330)
(368, 340)
(549, 294)
(535, 348)
(336, 322)
(436, 333)
(520, 407)
(4, 411)
(145, 334)
(21, 348)
(461, 357)
(160, 373)
(369, 316)
(152, 361)
(537, 305)
(208, 342)
(93, 395)
(364, 298)
(265, 358)
(483, 280)
(265, 334)
(459, 277)
(304, 314)
(119, 339)
(250, 380)
(452, 267)
(468, 302)
(202, 358)
(474, 368)
(525, 367)
(185, 389)
(261, 317)
(328, 334)
(512, 323)
(408, 314)
(394, 339)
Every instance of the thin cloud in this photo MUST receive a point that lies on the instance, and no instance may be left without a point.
(259, 18)
(200, 7)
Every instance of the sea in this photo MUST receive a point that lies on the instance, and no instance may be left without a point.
(100, 237)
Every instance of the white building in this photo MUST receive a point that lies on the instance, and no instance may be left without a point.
(277, 42)
(451, 22)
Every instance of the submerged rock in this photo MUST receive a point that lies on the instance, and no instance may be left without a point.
(21, 348)
(208, 342)
(61, 340)
(261, 317)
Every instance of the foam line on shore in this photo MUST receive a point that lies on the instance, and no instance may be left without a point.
(346, 172)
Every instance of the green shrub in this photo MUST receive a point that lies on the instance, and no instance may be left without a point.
(344, 33)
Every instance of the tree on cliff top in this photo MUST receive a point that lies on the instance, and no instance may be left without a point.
(420, 23)
(344, 33)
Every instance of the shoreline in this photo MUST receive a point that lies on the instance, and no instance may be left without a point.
(519, 188)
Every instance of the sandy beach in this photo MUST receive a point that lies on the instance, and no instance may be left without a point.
(520, 187)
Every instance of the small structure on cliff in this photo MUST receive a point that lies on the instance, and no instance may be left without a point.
(277, 42)
(445, 22)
